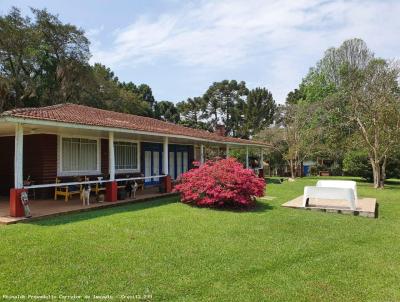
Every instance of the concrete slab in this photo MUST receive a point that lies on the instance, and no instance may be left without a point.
(366, 207)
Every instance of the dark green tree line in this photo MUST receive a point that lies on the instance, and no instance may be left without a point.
(243, 112)
(44, 61)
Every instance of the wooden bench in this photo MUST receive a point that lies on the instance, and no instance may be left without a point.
(68, 191)
(122, 184)
(99, 187)
(324, 173)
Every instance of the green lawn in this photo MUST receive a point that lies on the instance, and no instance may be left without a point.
(179, 253)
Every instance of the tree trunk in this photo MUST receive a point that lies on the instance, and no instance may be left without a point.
(378, 171)
(292, 172)
(383, 173)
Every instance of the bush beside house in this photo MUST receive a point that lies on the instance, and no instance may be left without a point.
(220, 183)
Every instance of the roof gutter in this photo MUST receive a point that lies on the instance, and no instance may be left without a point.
(12, 119)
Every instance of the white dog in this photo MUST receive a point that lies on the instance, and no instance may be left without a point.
(85, 195)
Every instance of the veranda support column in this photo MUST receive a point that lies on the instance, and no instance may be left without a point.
(16, 207)
(202, 154)
(111, 187)
(18, 157)
(165, 167)
(111, 157)
(227, 151)
(165, 157)
(261, 171)
(247, 157)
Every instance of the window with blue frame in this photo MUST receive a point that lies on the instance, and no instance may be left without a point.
(152, 162)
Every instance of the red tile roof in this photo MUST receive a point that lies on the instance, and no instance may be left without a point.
(84, 115)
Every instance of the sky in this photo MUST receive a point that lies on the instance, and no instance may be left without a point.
(180, 48)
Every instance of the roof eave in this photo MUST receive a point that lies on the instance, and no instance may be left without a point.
(43, 122)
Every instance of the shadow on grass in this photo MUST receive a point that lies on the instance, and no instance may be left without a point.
(101, 212)
(258, 207)
(277, 181)
(377, 210)
(393, 183)
(262, 207)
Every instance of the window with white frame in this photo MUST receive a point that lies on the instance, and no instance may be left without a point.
(79, 155)
(126, 155)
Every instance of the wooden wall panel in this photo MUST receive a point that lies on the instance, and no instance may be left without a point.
(40, 160)
(6, 164)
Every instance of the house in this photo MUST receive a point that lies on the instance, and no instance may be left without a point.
(68, 140)
(307, 166)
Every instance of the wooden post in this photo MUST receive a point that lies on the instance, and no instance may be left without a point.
(227, 151)
(165, 157)
(202, 154)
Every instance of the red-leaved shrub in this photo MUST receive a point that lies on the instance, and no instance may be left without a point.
(220, 183)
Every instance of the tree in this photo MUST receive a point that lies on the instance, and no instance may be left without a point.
(374, 107)
(356, 163)
(327, 76)
(143, 95)
(300, 134)
(258, 112)
(108, 93)
(146, 94)
(358, 97)
(296, 135)
(296, 95)
(278, 147)
(166, 111)
(192, 113)
(222, 101)
(43, 61)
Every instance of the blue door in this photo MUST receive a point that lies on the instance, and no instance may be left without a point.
(178, 160)
(152, 162)
(152, 154)
(306, 170)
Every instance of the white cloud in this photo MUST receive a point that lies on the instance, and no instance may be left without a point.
(285, 35)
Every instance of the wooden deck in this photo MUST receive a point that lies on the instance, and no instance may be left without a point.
(48, 208)
(366, 207)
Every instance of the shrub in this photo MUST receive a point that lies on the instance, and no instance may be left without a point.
(355, 163)
(220, 183)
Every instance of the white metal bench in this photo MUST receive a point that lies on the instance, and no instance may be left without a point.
(326, 189)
